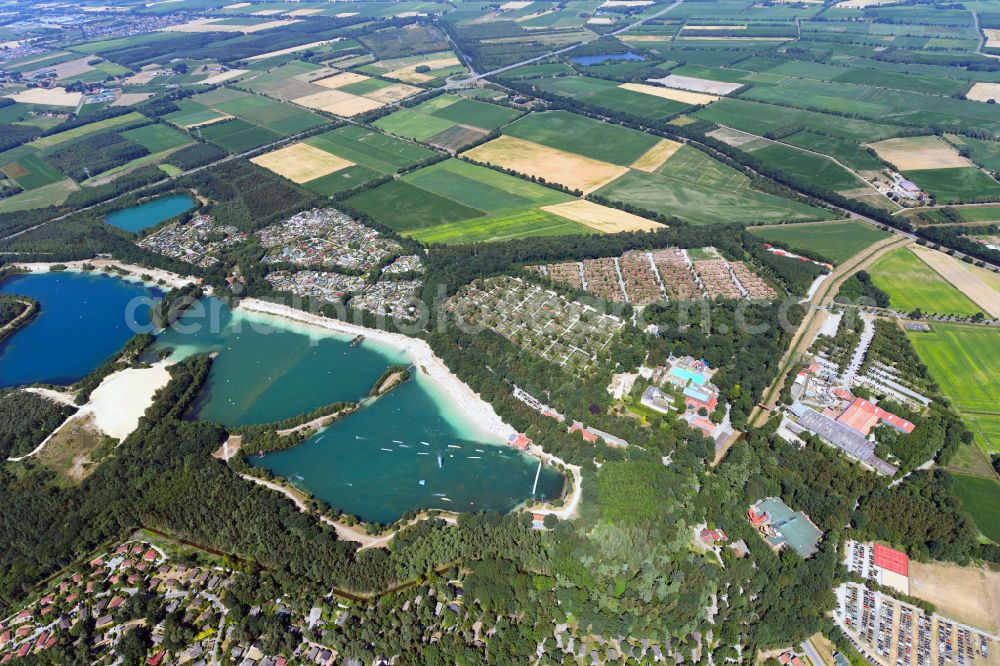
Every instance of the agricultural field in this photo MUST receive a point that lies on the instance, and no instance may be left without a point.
(639, 100)
(238, 121)
(433, 67)
(961, 185)
(633, 167)
(342, 159)
(965, 362)
(981, 499)
(454, 201)
(448, 121)
(837, 241)
(912, 284)
(808, 166)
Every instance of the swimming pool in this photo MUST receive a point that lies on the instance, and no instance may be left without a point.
(688, 375)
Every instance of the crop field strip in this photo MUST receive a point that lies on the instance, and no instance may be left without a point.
(837, 241)
(912, 284)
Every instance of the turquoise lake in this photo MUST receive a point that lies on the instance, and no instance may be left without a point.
(409, 450)
(81, 323)
(150, 213)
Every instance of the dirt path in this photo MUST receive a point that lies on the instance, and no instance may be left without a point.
(966, 281)
(813, 321)
(19, 320)
(61, 397)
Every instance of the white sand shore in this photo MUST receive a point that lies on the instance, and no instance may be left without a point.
(170, 279)
(124, 396)
(478, 411)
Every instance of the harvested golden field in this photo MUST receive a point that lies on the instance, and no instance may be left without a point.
(684, 96)
(50, 96)
(654, 158)
(392, 93)
(972, 284)
(603, 219)
(411, 75)
(919, 152)
(574, 171)
(301, 162)
(984, 92)
(210, 25)
(340, 80)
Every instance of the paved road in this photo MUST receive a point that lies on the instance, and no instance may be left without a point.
(811, 652)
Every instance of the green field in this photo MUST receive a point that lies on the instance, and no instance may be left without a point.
(981, 499)
(53, 140)
(584, 136)
(912, 284)
(984, 153)
(837, 241)
(847, 152)
(454, 201)
(808, 166)
(609, 96)
(443, 113)
(370, 149)
(237, 135)
(157, 138)
(696, 188)
(956, 185)
(965, 362)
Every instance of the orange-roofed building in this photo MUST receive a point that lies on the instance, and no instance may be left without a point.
(790, 659)
(862, 415)
(892, 560)
(149, 555)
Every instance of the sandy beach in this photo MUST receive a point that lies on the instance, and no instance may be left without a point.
(123, 397)
(134, 272)
(477, 410)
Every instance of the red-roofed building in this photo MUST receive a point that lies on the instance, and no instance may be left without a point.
(843, 394)
(23, 631)
(520, 441)
(42, 637)
(713, 536)
(97, 561)
(23, 615)
(21, 653)
(862, 415)
(706, 426)
(149, 555)
(116, 602)
(156, 658)
(5, 637)
(790, 659)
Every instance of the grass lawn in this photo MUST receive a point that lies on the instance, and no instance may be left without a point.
(981, 498)
(912, 284)
(837, 241)
(584, 136)
(955, 185)
(47, 195)
(965, 363)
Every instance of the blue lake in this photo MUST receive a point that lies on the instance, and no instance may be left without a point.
(82, 322)
(410, 449)
(150, 213)
(605, 57)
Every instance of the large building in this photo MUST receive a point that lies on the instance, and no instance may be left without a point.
(781, 527)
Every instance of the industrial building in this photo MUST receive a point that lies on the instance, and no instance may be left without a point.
(781, 527)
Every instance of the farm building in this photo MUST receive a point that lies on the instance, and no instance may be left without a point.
(780, 526)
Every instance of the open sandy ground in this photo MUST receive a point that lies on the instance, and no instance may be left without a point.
(695, 84)
(919, 152)
(305, 12)
(984, 92)
(57, 96)
(670, 93)
(208, 25)
(533, 159)
(128, 99)
(968, 594)
(68, 68)
(123, 397)
(601, 218)
(301, 162)
(212, 121)
(654, 158)
(134, 272)
(992, 36)
(353, 106)
(969, 283)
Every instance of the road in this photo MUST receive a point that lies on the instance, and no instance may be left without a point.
(813, 320)
(811, 652)
(461, 80)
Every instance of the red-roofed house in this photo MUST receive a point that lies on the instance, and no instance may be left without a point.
(790, 659)
(149, 555)
(21, 653)
(519, 441)
(156, 658)
(116, 602)
(713, 536)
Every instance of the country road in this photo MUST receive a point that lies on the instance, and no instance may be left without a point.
(813, 321)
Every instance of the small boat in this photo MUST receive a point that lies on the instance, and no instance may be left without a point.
(445, 499)
(480, 451)
(389, 450)
(422, 453)
(423, 482)
(320, 438)
(454, 446)
(396, 441)
(358, 339)
(474, 457)
(425, 443)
